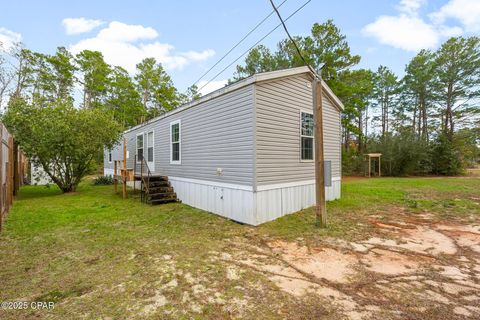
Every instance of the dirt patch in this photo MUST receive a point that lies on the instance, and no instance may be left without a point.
(422, 240)
(465, 236)
(327, 263)
(390, 262)
(410, 269)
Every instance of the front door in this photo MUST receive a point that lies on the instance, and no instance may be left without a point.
(150, 151)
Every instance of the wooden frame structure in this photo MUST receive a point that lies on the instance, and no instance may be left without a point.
(126, 174)
(377, 162)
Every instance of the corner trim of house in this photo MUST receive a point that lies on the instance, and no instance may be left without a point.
(291, 184)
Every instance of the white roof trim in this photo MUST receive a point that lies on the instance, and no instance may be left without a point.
(264, 76)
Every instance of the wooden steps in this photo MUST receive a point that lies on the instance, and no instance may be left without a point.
(158, 191)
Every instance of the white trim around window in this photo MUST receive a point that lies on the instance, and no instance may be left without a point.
(150, 149)
(110, 156)
(143, 145)
(176, 143)
(306, 136)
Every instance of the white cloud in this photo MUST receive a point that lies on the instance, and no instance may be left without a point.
(80, 25)
(118, 31)
(8, 38)
(403, 32)
(212, 86)
(450, 31)
(410, 32)
(410, 7)
(467, 12)
(126, 45)
(194, 55)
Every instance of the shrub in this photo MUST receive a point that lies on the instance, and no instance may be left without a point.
(445, 157)
(403, 154)
(352, 162)
(103, 180)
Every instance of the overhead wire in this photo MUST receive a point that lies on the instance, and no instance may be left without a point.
(238, 43)
(255, 44)
(288, 33)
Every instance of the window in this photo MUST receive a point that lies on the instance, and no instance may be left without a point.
(150, 146)
(175, 142)
(306, 136)
(110, 156)
(140, 147)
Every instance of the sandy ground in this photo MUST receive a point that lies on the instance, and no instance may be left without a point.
(412, 269)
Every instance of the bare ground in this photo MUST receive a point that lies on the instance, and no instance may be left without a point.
(414, 268)
(415, 255)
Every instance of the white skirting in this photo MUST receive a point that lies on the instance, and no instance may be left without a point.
(108, 172)
(235, 202)
(277, 201)
(241, 203)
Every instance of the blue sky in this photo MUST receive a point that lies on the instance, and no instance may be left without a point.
(190, 36)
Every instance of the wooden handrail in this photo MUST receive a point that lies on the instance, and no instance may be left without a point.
(145, 175)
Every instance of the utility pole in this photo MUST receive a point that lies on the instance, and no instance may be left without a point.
(320, 208)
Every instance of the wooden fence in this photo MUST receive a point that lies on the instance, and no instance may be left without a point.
(13, 170)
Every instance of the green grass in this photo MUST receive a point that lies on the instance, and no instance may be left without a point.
(97, 255)
(456, 198)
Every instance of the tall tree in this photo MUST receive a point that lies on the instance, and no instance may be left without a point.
(94, 77)
(326, 47)
(52, 76)
(62, 71)
(259, 59)
(384, 93)
(6, 79)
(330, 47)
(190, 94)
(123, 98)
(156, 87)
(354, 89)
(418, 89)
(458, 80)
(23, 69)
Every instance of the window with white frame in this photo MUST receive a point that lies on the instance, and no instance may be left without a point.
(175, 142)
(140, 147)
(150, 146)
(306, 136)
(110, 156)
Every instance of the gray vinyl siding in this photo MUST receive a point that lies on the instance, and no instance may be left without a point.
(278, 105)
(217, 133)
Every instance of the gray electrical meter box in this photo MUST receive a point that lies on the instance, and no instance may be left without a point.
(327, 173)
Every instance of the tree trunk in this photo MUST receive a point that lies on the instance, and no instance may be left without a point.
(449, 113)
(425, 123)
(383, 117)
(414, 124)
(360, 132)
(366, 122)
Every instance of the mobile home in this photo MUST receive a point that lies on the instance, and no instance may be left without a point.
(245, 151)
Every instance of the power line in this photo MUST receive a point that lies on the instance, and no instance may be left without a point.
(288, 33)
(256, 43)
(238, 43)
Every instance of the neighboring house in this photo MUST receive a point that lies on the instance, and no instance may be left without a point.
(38, 175)
(245, 151)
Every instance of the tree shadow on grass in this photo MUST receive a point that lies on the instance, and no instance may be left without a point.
(31, 192)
